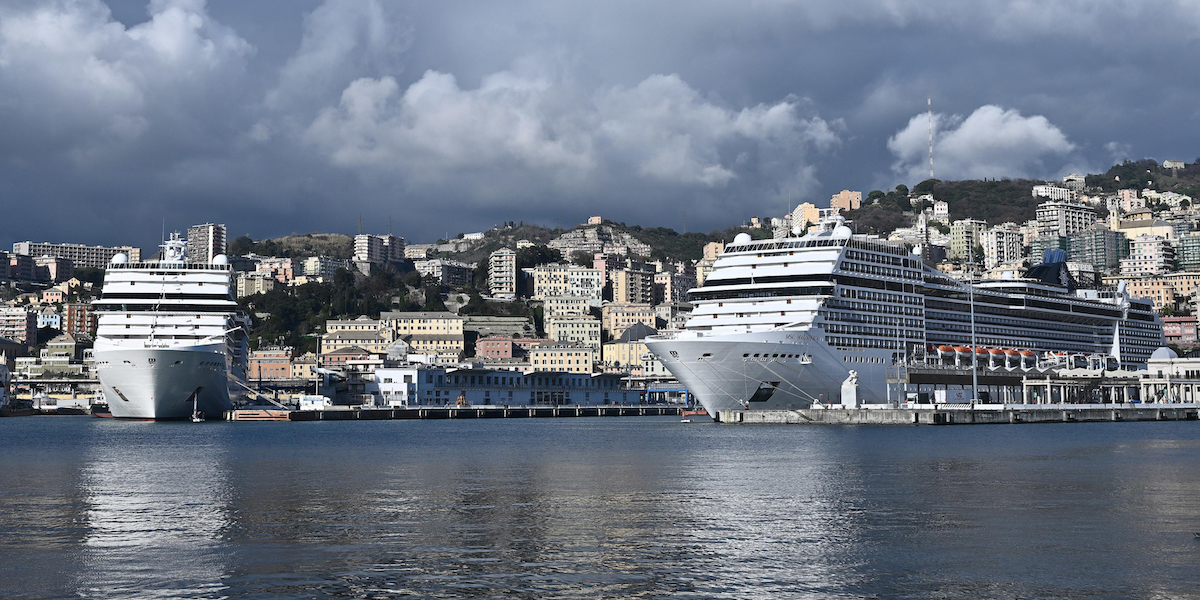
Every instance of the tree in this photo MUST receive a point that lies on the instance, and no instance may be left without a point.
(90, 275)
(902, 189)
(925, 187)
(240, 246)
(537, 255)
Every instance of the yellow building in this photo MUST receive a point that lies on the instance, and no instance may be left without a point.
(370, 341)
(806, 214)
(628, 352)
(1164, 290)
(617, 317)
(581, 329)
(564, 306)
(846, 200)
(439, 333)
(305, 367)
(564, 357)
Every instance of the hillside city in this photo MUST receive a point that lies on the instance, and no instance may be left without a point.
(525, 298)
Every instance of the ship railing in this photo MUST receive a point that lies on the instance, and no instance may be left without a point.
(191, 266)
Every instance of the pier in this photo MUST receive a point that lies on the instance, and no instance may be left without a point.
(980, 414)
(452, 412)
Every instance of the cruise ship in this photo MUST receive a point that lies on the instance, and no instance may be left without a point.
(780, 324)
(170, 339)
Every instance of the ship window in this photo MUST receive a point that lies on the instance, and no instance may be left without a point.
(745, 356)
(756, 356)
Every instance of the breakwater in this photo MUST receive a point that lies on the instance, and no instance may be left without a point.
(968, 415)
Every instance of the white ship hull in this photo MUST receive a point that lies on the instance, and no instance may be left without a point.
(158, 383)
(790, 371)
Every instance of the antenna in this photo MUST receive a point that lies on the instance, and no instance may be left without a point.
(929, 103)
(685, 221)
(359, 224)
(389, 225)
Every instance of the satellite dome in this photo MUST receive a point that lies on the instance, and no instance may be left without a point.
(220, 259)
(742, 238)
(119, 258)
(1163, 352)
(841, 231)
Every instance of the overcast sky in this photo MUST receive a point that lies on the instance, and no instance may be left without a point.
(294, 116)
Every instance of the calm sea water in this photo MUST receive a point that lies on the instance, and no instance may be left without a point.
(596, 508)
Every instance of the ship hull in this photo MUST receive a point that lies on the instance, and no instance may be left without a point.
(769, 371)
(159, 383)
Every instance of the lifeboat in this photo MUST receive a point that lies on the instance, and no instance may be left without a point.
(1028, 358)
(996, 358)
(1012, 358)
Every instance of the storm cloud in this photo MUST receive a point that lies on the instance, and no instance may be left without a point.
(279, 117)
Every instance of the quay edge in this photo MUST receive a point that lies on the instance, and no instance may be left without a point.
(978, 415)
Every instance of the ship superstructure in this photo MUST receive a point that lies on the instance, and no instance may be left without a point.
(170, 337)
(780, 323)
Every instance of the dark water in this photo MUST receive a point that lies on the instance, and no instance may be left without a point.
(596, 508)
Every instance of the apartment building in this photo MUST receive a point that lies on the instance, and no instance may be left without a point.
(1058, 218)
(271, 363)
(378, 249)
(1148, 255)
(965, 234)
(563, 357)
(79, 317)
(90, 257)
(627, 352)
(633, 286)
(450, 273)
(1054, 192)
(566, 280)
(616, 318)
(249, 284)
(205, 242)
(1002, 245)
(18, 324)
(502, 273)
(1102, 248)
(846, 200)
(323, 266)
(565, 306)
(580, 329)
(52, 268)
(439, 333)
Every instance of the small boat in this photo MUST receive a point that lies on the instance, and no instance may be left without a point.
(685, 420)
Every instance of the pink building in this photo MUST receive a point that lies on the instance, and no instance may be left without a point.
(846, 200)
(1180, 330)
(494, 347)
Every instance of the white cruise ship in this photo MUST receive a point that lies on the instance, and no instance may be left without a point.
(170, 338)
(779, 324)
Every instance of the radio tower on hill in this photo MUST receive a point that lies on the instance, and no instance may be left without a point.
(929, 103)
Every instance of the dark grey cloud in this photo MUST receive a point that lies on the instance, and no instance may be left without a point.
(280, 117)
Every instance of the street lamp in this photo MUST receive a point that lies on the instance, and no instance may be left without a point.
(974, 348)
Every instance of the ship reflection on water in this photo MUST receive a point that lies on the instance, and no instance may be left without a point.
(566, 508)
(156, 512)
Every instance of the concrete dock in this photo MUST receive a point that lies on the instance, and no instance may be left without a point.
(982, 414)
(458, 412)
